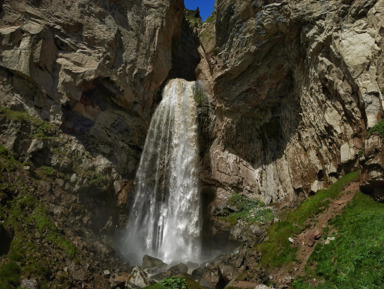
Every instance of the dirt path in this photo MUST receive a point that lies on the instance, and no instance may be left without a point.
(307, 240)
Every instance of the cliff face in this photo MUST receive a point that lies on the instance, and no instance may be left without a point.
(94, 68)
(79, 81)
(296, 85)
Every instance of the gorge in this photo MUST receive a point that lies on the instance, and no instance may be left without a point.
(283, 101)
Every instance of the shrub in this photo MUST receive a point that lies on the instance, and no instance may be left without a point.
(174, 283)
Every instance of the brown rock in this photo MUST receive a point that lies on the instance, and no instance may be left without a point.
(285, 112)
(372, 173)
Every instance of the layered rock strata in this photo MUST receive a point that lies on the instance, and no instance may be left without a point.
(296, 86)
(95, 68)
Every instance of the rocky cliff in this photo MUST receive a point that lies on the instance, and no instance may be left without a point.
(94, 69)
(79, 83)
(296, 86)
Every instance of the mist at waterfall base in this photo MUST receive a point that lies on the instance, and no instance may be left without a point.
(165, 220)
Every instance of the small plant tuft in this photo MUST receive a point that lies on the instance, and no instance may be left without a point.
(174, 283)
(199, 96)
(378, 128)
(251, 211)
(41, 129)
(211, 18)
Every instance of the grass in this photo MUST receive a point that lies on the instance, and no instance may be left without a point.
(211, 18)
(46, 227)
(251, 211)
(378, 128)
(192, 20)
(175, 282)
(45, 173)
(22, 213)
(356, 258)
(277, 250)
(7, 161)
(26, 217)
(9, 275)
(93, 178)
(43, 129)
(155, 286)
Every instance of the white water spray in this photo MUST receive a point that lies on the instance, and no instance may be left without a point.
(165, 220)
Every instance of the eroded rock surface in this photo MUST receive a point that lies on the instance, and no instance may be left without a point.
(296, 85)
(95, 68)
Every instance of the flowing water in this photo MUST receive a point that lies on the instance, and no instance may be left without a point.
(165, 220)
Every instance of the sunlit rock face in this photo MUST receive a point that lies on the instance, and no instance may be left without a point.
(165, 220)
(293, 83)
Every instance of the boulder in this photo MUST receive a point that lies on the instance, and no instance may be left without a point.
(179, 269)
(136, 279)
(152, 262)
(350, 152)
(262, 286)
(139, 278)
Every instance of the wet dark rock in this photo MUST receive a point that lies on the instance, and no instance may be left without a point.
(178, 269)
(151, 262)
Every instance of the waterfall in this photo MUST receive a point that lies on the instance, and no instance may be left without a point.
(165, 220)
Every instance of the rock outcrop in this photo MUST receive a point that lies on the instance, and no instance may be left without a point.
(79, 81)
(94, 68)
(83, 78)
(296, 86)
(372, 173)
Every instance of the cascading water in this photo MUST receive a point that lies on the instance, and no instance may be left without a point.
(165, 220)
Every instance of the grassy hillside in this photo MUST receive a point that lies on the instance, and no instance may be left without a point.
(356, 258)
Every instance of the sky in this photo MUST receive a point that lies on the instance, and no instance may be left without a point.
(205, 6)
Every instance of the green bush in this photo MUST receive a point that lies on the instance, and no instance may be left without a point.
(243, 203)
(45, 226)
(174, 283)
(191, 19)
(250, 211)
(45, 173)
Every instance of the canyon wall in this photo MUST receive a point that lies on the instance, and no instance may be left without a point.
(296, 85)
(95, 68)
(79, 81)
